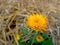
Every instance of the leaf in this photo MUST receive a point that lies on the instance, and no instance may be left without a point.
(31, 41)
(25, 31)
(22, 43)
(45, 35)
(48, 42)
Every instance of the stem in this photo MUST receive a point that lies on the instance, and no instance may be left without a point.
(34, 38)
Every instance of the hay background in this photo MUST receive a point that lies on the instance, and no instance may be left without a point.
(18, 10)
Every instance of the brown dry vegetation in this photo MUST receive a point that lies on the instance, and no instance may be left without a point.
(17, 10)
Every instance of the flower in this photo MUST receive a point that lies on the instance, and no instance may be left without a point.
(17, 37)
(37, 22)
(39, 38)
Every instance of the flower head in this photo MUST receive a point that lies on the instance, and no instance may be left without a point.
(17, 37)
(39, 38)
(37, 22)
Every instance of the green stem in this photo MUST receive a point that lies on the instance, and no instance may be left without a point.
(34, 38)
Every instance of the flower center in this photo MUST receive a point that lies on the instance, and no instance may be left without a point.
(36, 21)
(39, 37)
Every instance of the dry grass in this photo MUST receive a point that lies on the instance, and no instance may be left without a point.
(18, 10)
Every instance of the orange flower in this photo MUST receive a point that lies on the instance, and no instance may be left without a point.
(37, 22)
